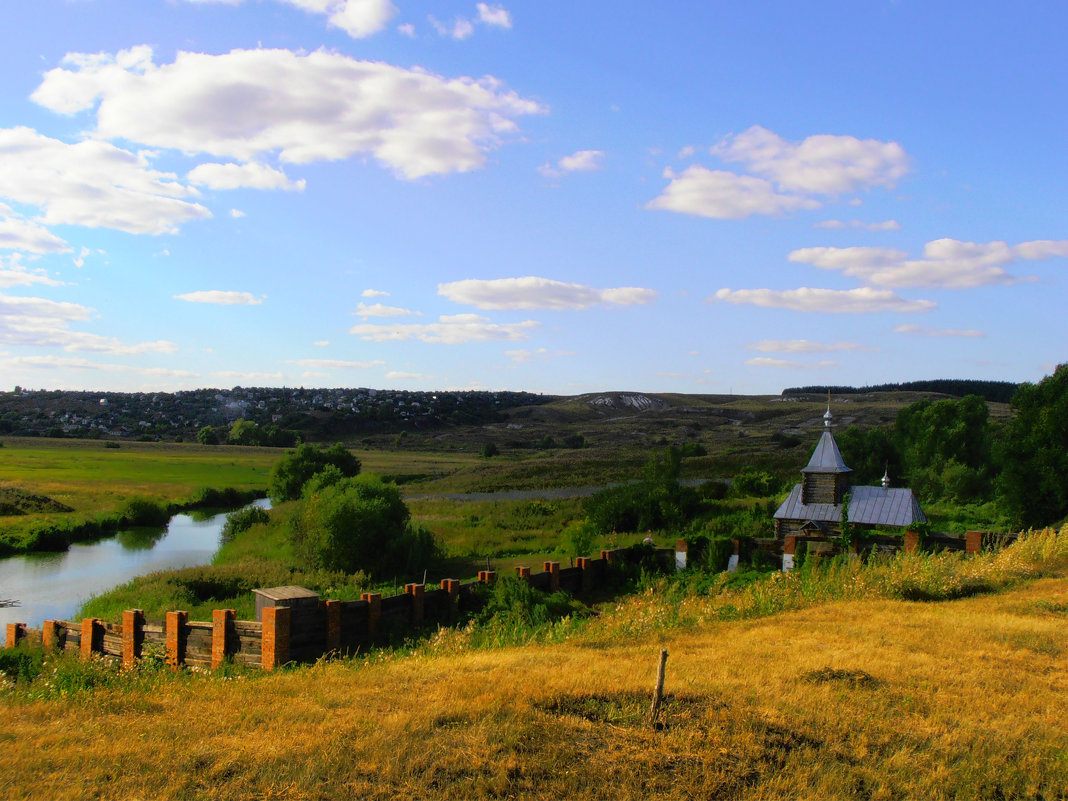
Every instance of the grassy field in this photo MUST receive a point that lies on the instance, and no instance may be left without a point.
(822, 684)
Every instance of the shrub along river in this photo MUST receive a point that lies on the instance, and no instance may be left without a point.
(51, 586)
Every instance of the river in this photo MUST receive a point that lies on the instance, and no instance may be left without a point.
(51, 586)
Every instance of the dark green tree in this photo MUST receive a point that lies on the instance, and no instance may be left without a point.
(292, 471)
(208, 436)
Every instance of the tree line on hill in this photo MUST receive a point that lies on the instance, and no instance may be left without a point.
(995, 391)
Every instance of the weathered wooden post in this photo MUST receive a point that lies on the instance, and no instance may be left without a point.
(175, 638)
(133, 635)
(658, 693)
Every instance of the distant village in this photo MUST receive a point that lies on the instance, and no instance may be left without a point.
(313, 413)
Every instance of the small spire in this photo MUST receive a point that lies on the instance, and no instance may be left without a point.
(827, 416)
(886, 477)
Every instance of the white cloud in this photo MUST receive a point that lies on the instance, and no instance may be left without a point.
(398, 375)
(946, 263)
(834, 301)
(75, 363)
(37, 322)
(221, 297)
(579, 161)
(374, 293)
(802, 346)
(786, 364)
(821, 164)
(724, 195)
(885, 225)
(17, 233)
(237, 214)
(495, 16)
(358, 18)
(687, 152)
(250, 379)
(79, 260)
(541, 354)
(14, 273)
(531, 292)
(454, 329)
(319, 106)
(335, 364)
(459, 29)
(923, 331)
(380, 310)
(91, 183)
(407, 29)
(322, 343)
(236, 176)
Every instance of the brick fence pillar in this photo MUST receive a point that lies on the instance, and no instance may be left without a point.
(523, 572)
(133, 635)
(416, 591)
(973, 542)
(92, 636)
(585, 564)
(49, 636)
(553, 569)
(452, 587)
(274, 645)
(912, 541)
(789, 548)
(374, 611)
(175, 638)
(16, 632)
(681, 548)
(487, 576)
(222, 627)
(333, 624)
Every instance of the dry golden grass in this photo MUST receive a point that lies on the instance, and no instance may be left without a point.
(871, 699)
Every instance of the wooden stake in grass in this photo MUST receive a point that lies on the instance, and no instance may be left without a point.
(658, 693)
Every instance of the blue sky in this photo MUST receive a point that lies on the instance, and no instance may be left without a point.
(554, 197)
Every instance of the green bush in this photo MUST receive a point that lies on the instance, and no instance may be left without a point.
(753, 483)
(292, 471)
(145, 512)
(243, 520)
(359, 523)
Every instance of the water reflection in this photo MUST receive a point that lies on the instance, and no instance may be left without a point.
(54, 585)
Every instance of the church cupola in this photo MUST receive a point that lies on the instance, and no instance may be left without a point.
(826, 478)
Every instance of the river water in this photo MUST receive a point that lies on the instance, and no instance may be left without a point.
(51, 586)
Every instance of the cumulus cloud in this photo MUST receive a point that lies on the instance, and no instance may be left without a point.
(14, 273)
(459, 28)
(541, 354)
(90, 183)
(358, 18)
(802, 346)
(400, 375)
(18, 233)
(380, 310)
(451, 329)
(724, 195)
(786, 364)
(76, 363)
(318, 106)
(865, 300)
(236, 176)
(221, 297)
(579, 161)
(821, 164)
(946, 263)
(885, 225)
(374, 293)
(37, 322)
(250, 379)
(335, 364)
(923, 331)
(531, 292)
(496, 16)
(321, 343)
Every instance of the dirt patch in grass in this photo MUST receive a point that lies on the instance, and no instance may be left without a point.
(850, 678)
(14, 501)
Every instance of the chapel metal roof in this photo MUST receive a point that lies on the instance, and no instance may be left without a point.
(869, 506)
(826, 458)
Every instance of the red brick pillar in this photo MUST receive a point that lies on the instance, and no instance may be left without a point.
(912, 541)
(222, 625)
(681, 552)
(416, 591)
(523, 572)
(553, 569)
(133, 635)
(585, 564)
(92, 636)
(176, 634)
(274, 645)
(333, 624)
(487, 576)
(16, 632)
(374, 611)
(973, 542)
(789, 548)
(49, 636)
(452, 587)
